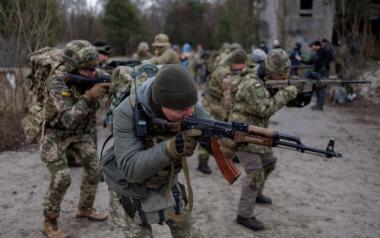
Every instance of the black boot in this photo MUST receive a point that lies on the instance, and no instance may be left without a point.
(251, 223)
(261, 199)
(204, 168)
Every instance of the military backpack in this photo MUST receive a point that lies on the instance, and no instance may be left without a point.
(44, 62)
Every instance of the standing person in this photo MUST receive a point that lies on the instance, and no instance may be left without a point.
(163, 53)
(142, 52)
(70, 125)
(295, 58)
(142, 172)
(321, 61)
(212, 100)
(255, 105)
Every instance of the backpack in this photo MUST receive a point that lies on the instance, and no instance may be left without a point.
(126, 79)
(44, 62)
(230, 86)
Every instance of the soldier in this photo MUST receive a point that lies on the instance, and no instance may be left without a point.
(142, 52)
(225, 54)
(141, 172)
(255, 105)
(70, 125)
(212, 100)
(162, 51)
(321, 61)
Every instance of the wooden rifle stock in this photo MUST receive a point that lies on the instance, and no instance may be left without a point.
(225, 165)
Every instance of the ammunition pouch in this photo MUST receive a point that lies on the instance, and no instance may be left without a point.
(157, 208)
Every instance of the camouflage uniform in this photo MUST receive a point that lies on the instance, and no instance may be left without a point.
(212, 102)
(69, 125)
(166, 55)
(254, 105)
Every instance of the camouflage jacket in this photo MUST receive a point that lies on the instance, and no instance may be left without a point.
(254, 105)
(68, 112)
(214, 93)
(169, 56)
(220, 60)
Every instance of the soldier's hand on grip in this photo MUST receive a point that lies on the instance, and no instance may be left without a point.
(227, 146)
(97, 91)
(183, 144)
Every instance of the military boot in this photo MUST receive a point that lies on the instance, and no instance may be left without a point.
(203, 167)
(92, 215)
(250, 222)
(261, 199)
(50, 228)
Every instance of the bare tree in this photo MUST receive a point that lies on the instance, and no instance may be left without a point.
(26, 26)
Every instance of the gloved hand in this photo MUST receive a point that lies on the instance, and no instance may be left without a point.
(227, 146)
(183, 144)
(97, 91)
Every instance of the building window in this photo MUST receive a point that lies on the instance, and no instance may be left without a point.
(306, 8)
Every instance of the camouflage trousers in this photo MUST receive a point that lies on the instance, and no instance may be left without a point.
(183, 229)
(53, 150)
(257, 167)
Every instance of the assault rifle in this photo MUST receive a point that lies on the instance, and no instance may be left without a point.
(240, 133)
(308, 85)
(115, 63)
(82, 83)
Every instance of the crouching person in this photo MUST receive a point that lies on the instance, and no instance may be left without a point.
(142, 171)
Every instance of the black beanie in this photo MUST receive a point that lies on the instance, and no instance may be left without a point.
(174, 88)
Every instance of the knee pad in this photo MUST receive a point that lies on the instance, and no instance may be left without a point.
(255, 179)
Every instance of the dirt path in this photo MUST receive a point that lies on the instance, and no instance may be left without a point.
(313, 196)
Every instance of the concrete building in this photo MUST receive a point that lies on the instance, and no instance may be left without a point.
(291, 21)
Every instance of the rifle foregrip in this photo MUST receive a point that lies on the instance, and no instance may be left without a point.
(225, 165)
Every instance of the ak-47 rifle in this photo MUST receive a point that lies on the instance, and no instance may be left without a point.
(109, 66)
(240, 133)
(82, 83)
(308, 85)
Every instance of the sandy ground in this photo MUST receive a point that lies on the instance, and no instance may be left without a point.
(313, 196)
